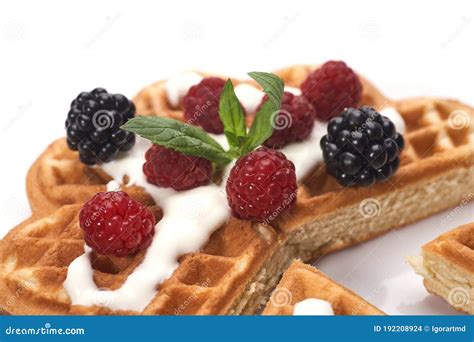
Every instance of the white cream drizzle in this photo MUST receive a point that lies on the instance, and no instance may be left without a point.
(185, 227)
(249, 96)
(313, 307)
(293, 90)
(177, 87)
(189, 218)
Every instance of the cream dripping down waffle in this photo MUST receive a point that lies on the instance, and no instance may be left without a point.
(202, 259)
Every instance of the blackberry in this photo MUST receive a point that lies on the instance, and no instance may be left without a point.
(361, 147)
(93, 125)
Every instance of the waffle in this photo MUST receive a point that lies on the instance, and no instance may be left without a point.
(302, 282)
(447, 266)
(242, 262)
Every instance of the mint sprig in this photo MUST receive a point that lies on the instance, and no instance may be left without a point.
(232, 116)
(178, 136)
(194, 141)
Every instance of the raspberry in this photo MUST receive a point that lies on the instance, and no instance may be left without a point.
(361, 147)
(168, 168)
(261, 185)
(294, 122)
(201, 105)
(115, 224)
(331, 88)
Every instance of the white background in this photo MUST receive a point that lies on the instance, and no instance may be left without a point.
(52, 50)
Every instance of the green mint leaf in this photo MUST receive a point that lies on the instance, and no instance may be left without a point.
(262, 127)
(178, 136)
(232, 116)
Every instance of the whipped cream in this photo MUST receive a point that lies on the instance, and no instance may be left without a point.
(113, 186)
(249, 97)
(306, 154)
(177, 86)
(293, 90)
(313, 307)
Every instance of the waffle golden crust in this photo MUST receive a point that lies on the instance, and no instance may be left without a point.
(447, 266)
(302, 282)
(242, 262)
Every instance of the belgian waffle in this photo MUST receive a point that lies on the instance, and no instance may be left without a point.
(447, 266)
(242, 262)
(302, 282)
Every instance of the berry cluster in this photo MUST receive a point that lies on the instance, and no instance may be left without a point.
(93, 125)
(361, 147)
